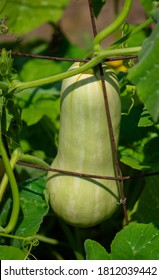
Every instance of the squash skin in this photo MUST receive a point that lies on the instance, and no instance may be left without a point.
(85, 147)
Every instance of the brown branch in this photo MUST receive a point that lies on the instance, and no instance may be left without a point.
(120, 178)
(37, 56)
(110, 127)
(92, 18)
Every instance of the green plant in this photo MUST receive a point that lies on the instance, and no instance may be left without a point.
(29, 128)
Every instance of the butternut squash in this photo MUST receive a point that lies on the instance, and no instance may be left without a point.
(85, 147)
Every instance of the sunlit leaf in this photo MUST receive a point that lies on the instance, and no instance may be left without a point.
(145, 119)
(145, 74)
(136, 242)
(95, 251)
(34, 208)
(24, 16)
(11, 253)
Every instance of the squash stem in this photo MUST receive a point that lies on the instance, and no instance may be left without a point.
(100, 55)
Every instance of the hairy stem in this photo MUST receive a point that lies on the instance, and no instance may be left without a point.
(4, 181)
(98, 58)
(49, 240)
(15, 192)
(14, 159)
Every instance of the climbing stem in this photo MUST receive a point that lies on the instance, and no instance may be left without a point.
(16, 157)
(131, 33)
(15, 192)
(114, 26)
(4, 182)
(100, 55)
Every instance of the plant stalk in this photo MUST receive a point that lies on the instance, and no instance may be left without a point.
(15, 192)
(98, 58)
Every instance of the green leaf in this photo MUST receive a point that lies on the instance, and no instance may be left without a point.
(24, 16)
(148, 204)
(132, 158)
(136, 39)
(138, 145)
(97, 6)
(147, 4)
(145, 74)
(136, 242)
(11, 253)
(34, 208)
(39, 68)
(95, 251)
(143, 155)
(145, 119)
(37, 103)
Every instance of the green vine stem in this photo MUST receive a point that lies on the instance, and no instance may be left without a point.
(131, 33)
(18, 86)
(16, 157)
(49, 240)
(117, 32)
(4, 182)
(114, 26)
(9, 176)
(39, 237)
(15, 192)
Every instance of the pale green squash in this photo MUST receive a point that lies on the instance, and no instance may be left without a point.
(84, 146)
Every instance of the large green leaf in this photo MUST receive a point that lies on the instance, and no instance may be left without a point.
(145, 74)
(143, 155)
(23, 16)
(136, 242)
(147, 208)
(95, 251)
(139, 141)
(39, 103)
(11, 253)
(34, 208)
